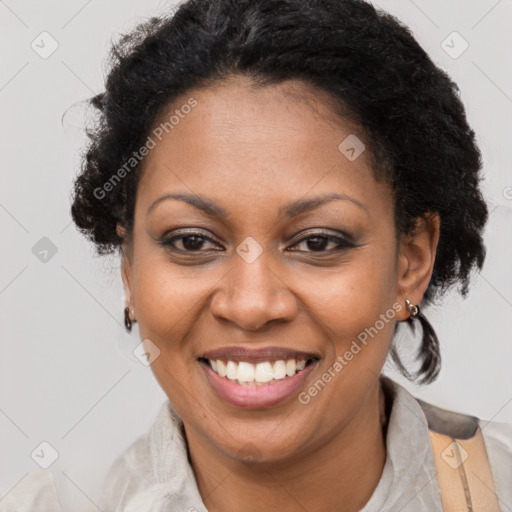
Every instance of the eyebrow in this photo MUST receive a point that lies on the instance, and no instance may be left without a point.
(290, 210)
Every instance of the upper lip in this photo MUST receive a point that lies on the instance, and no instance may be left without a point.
(253, 355)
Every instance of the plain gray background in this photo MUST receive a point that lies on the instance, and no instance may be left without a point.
(67, 372)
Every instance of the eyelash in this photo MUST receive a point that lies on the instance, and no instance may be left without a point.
(342, 243)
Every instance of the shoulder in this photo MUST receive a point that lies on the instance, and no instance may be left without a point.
(465, 428)
(133, 473)
(498, 444)
(35, 491)
(449, 423)
(127, 472)
(153, 474)
(497, 436)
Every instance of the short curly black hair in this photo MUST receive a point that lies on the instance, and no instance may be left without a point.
(408, 108)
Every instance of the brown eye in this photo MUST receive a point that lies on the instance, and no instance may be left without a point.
(190, 242)
(318, 242)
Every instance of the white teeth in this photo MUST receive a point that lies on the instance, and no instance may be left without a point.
(221, 368)
(261, 373)
(301, 365)
(280, 369)
(231, 370)
(245, 372)
(264, 372)
(291, 367)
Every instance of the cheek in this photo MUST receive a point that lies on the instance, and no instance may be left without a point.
(163, 292)
(358, 316)
(359, 307)
(167, 305)
(357, 293)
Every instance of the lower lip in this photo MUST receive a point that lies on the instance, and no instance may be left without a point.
(255, 397)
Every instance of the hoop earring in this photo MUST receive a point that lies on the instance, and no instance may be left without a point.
(127, 320)
(414, 309)
(429, 352)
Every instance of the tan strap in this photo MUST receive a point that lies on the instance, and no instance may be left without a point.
(464, 473)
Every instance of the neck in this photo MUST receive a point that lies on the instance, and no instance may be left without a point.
(346, 468)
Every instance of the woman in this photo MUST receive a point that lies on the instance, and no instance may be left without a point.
(288, 183)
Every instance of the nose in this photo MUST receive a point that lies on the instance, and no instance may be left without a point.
(253, 294)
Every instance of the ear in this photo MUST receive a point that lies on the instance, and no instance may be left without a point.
(417, 254)
(126, 268)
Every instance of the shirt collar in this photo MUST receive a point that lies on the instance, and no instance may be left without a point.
(407, 447)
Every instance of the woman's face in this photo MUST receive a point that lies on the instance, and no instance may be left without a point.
(283, 277)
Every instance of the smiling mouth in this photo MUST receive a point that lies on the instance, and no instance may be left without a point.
(263, 373)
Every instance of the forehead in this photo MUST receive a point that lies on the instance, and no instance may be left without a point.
(257, 146)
